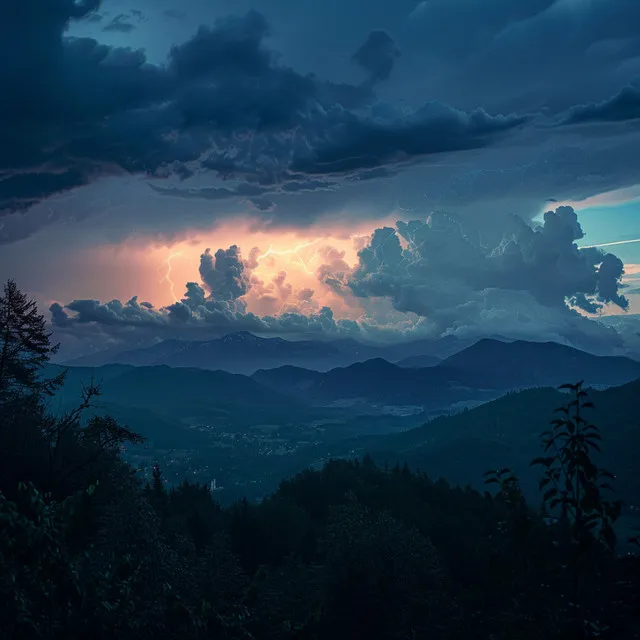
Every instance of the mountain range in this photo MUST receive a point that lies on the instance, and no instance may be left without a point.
(169, 396)
(245, 353)
(484, 370)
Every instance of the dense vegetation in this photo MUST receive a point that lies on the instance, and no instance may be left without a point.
(350, 551)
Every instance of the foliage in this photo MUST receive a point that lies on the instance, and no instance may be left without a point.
(572, 481)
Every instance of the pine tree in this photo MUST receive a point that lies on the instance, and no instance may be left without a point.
(25, 345)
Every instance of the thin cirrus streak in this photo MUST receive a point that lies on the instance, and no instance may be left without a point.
(610, 244)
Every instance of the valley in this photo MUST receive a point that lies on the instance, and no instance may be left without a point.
(483, 406)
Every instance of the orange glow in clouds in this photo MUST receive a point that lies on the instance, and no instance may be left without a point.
(290, 252)
(286, 267)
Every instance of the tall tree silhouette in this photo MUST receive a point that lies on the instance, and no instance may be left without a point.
(25, 345)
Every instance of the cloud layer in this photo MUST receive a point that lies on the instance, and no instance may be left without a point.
(257, 136)
(223, 103)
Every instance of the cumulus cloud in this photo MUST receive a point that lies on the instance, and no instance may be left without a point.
(278, 296)
(118, 321)
(439, 266)
(224, 274)
(609, 275)
(521, 288)
(334, 271)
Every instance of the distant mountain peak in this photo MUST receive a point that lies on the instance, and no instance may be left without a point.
(240, 336)
(379, 365)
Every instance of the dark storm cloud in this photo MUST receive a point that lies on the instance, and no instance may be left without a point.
(227, 112)
(94, 18)
(524, 55)
(120, 24)
(622, 107)
(574, 165)
(81, 110)
(256, 195)
(234, 45)
(366, 143)
(377, 56)
(475, 23)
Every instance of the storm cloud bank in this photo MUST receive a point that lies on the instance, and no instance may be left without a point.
(223, 103)
(437, 278)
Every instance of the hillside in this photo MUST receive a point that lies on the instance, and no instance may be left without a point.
(506, 432)
(185, 396)
(375, 381)
(417, 362)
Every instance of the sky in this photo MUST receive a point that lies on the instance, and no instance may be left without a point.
(376, 170)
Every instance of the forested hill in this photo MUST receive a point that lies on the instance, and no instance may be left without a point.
(506, 432)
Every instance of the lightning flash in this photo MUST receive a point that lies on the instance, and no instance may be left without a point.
(290, 252)
(167, 275)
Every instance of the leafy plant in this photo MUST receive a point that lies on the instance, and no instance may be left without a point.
(574, 486)
(572, 482)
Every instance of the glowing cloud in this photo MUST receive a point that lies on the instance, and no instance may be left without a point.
(288, 252)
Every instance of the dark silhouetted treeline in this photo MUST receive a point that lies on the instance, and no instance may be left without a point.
(353, 551)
